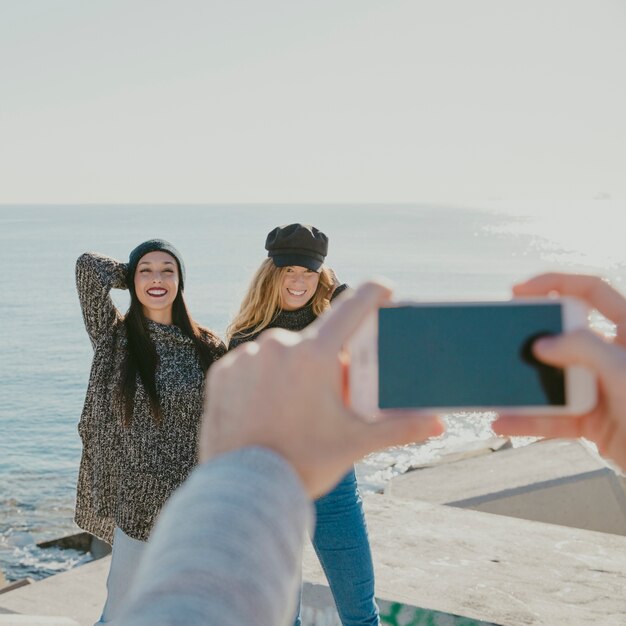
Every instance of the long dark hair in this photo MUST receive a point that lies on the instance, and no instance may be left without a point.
(142, 358)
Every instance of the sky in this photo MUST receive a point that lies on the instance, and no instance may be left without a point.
(495, 103)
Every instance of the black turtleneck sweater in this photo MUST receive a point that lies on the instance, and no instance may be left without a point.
(289, 320)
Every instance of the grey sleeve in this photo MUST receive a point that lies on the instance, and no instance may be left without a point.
(227, 548)
(96, 275)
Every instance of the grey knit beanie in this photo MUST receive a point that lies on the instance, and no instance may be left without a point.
(153, 245)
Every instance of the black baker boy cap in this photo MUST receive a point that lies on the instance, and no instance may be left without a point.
(297, 244)
(153, 245)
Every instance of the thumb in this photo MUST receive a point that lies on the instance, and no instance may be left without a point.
(397, 428)
(581, 347)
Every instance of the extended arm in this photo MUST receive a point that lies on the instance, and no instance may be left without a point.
(96, 275)
(227, 548)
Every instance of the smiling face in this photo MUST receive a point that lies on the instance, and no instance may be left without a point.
(297, 287)
(156, 285)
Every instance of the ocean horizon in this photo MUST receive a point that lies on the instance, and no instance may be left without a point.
(426, 251)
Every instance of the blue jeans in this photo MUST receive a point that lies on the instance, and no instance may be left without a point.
(342, 546)
(125, 559)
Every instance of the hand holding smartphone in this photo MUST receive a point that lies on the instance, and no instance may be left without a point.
(467, 356)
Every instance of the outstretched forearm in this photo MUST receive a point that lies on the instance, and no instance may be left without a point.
(227, 548)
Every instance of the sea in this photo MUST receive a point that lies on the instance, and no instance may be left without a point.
(426, 251)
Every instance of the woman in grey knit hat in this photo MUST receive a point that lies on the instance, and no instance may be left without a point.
(290, 289)
(139, 425)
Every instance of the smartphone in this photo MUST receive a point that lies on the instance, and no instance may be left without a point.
(446, 357)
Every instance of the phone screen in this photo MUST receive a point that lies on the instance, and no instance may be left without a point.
(466, 355)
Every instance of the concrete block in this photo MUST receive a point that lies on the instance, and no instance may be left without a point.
(490, 568)
(78, 594)
(35, 620)
(318, 609)
(80, 541)
(557, 482)
(16, 585)
(435, 565)
(469, 450)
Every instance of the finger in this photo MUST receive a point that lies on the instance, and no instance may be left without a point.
(275, 339)
(594, 290)
(249, 347)
(334, 327)
(230, 359)
(400, 429)
(550, 426)
(581, 347)
(571, 284)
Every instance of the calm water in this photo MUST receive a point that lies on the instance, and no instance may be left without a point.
(428, 252)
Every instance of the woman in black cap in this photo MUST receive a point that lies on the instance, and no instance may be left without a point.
(289, 290)
(139, 425)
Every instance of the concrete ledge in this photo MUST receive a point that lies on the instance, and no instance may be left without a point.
(434, 565)
(16, 585)
(492, 568)
(558, 482)
(318, 609)
(35, 620)
(77, 594)
(443, 561)
(470, 449)
(82, 541)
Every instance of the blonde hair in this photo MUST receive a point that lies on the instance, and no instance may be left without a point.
(262, 301)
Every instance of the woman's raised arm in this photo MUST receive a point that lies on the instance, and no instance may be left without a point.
(96, 275)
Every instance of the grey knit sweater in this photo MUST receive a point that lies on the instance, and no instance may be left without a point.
(127, 473)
